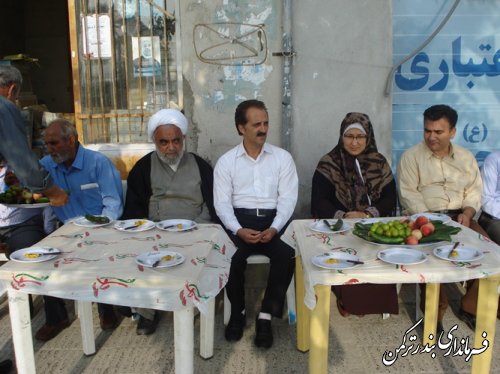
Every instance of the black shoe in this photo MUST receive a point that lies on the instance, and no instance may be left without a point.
(234, 328)
(147, 326)
(124, 310)
(263, 333)
(469, 319)
(5, 366)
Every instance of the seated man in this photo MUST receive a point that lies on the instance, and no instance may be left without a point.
(94, 187)
(490, 198)
(255, 192)
(19, 228)
(438, 176)
(168, 183)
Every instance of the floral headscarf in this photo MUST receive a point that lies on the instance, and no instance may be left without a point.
(353, 190)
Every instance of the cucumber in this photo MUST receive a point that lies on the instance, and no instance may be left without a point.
(97, 219)
(386, 239)
(338, 225)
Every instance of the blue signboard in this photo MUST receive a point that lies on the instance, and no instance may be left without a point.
(460, 67)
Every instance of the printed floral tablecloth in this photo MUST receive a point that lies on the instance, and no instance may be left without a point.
(309, 243)
(100, 266)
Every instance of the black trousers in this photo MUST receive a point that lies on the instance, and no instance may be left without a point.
(55, 310)
(24, 234)
(281, 257)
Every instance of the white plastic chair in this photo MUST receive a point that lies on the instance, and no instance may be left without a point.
(290, 293)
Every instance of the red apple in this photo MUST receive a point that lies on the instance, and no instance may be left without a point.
(420, 221)
(412, 225)
(417, 233)
(427, 229)
(411, 240)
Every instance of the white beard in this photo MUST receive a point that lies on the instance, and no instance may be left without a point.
(169, 160)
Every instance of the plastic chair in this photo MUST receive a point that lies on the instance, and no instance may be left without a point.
(290, 293)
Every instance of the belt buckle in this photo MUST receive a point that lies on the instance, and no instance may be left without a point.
(258, 213)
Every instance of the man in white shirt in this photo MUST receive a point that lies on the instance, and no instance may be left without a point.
(490, 198)
(255, 192)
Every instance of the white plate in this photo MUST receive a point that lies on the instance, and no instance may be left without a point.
(28, 206)
(465, 254)
(149, 258)
(341, 257)
(402, 256)
(19, 255)
(84, 222)
(127, 225)
(432, 217)
(176, 225)
(320, 226)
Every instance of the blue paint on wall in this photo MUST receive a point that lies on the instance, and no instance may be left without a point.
(460, 67)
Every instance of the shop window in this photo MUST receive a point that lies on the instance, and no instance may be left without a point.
(124, 63)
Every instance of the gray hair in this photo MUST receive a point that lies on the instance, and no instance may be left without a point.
(67, 128)
(10, 75)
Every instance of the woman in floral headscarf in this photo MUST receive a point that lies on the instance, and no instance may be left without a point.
(354, 180)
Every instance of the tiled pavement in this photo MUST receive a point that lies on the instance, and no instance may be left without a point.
(357, 345)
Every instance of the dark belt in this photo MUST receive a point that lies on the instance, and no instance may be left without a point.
(255, 212)
(448, 211)
(487, 215)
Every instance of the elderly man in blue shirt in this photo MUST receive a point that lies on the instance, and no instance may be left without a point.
(94, 187)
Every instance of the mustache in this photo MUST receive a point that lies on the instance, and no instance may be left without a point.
(261, 133)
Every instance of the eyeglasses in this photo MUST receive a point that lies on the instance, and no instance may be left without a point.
(358, 138)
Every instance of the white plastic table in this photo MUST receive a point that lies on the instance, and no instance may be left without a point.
(313, 285)
(101, 267)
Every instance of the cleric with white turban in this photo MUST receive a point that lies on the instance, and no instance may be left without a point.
(167, 117)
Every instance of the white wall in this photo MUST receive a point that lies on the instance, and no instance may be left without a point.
(344, 53)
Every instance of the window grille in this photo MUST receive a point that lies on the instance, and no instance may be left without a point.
(125, 66)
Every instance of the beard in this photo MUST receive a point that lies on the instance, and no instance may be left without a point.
(60, 157)
(169, 160)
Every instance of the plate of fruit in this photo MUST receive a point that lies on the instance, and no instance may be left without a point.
(18, 197)
(418, 232)
(432, 217)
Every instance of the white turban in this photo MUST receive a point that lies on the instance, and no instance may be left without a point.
(167, 117)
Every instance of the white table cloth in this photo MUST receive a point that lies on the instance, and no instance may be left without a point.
(313, 284)
(99, 266)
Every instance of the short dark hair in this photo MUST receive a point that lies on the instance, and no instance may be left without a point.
(436, 112)
(240, 115)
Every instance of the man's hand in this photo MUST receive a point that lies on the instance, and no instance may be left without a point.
(10, 178)
(249, 236)
(268, 235)
(56, 196)
(465, 218)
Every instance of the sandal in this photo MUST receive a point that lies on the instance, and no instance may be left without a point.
(342, 311)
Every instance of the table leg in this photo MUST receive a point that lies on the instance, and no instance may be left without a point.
(84, 309)
(486, 313)
(320, 318)
(303, 313)
(184, 341)
(431, 312)
(20, 320)
(207, 325)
